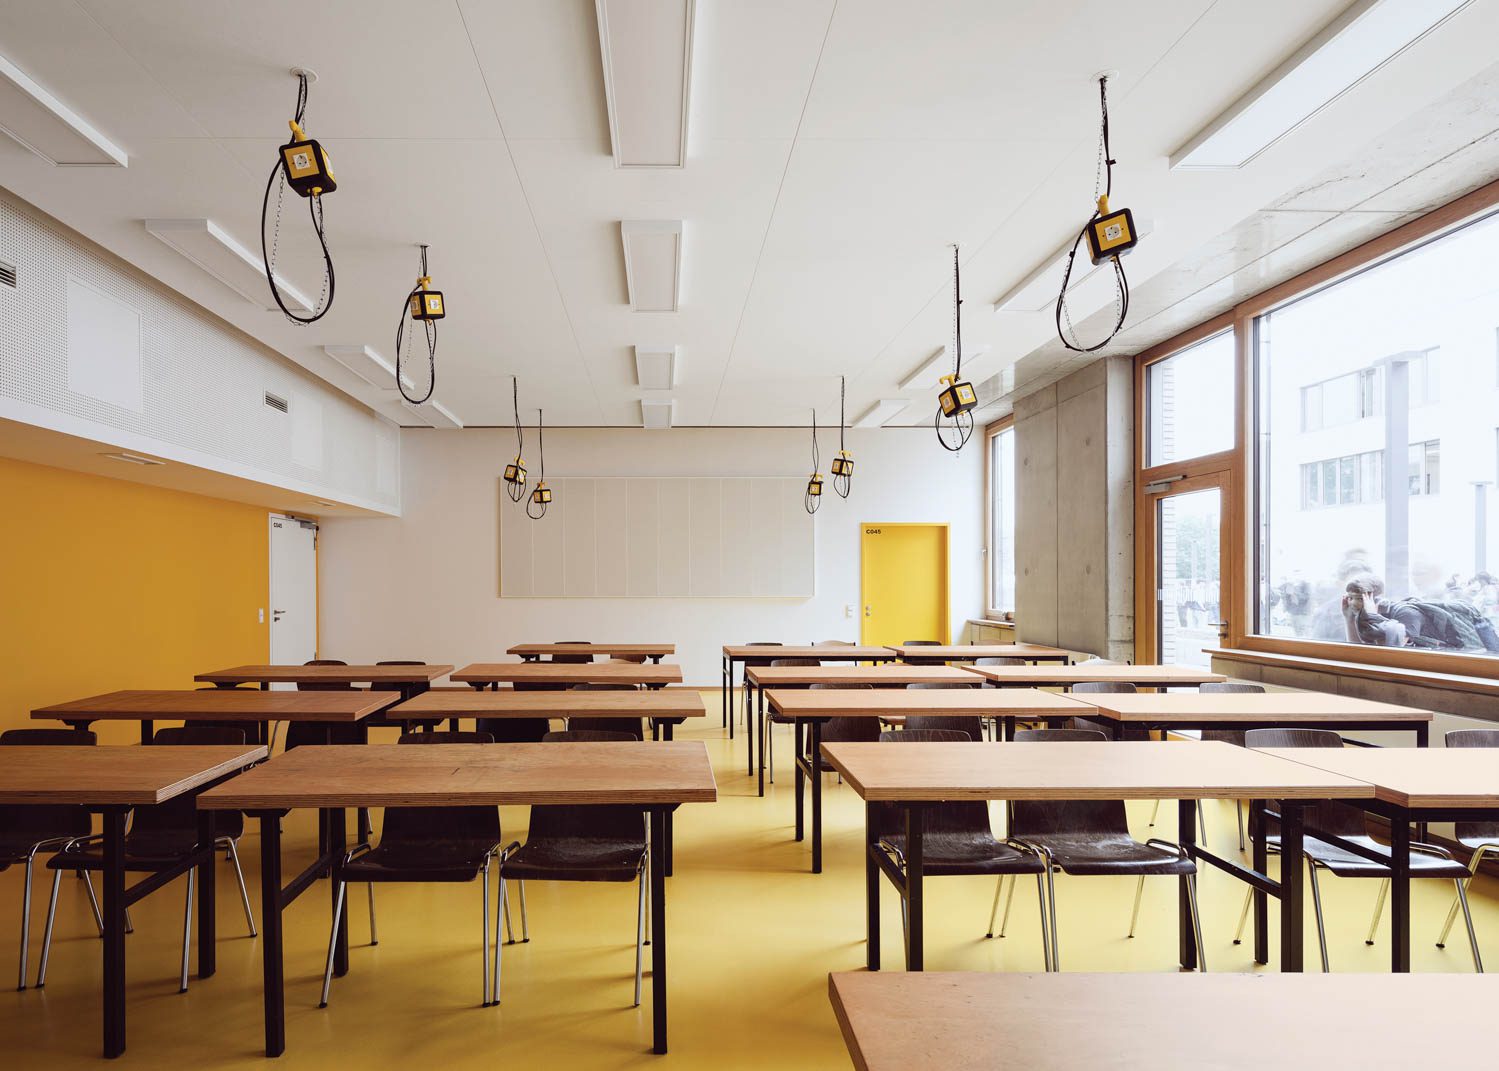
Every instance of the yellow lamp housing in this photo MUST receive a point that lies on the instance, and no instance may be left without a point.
(958, 396)
(308, 170)
(1112, 234)
(515, 472)
(542, 496)
(427, 304)
(843, 464)
(814, 485)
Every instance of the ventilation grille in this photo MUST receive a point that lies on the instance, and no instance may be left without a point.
(7, 273)
(276, 402)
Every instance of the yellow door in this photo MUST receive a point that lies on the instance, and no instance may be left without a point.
(904, 583)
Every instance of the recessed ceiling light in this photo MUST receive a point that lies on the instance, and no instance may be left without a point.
(657, 367)
(653, 263)
(220, 254)
(646, 49)
(368, 365)
(435, 414)
(656, 413)
(1347, 50)
(46, 126)
(880, 412)
(133, 459)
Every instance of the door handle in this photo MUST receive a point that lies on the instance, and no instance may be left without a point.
(277, 615)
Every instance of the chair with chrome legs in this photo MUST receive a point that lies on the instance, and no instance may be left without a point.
(918, 661)
(774, 718)
(973, 726)
(424, 844)
(1229, 736)
(1480, 838)
(1092, 837)
(26, 829)
(569, 842)
(958, 839)
(634, 728)
(753, 663)
(1347, 823)
(846, 730)
(160, 836)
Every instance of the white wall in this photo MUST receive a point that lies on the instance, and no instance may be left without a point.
(425, 585)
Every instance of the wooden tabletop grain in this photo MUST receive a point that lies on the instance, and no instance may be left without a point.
(116, 776)
(879, 702)
(1273, 708)
(1437, 777)
(828, 652)
(572, 703)
(324, 674)
(437, 775)
(646, 650)
(1081, 770)
(967, 652)
(993, 1021)
(894, 673)
(221, 704)
(570, 673)
(1048, 676)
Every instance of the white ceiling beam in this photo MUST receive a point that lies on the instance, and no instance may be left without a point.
(220, 254)
(646, 49)
(881, 411)
(434, 413)
(41, 123)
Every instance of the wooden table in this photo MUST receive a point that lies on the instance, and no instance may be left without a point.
(1015, 1022)
(657, 777)
(917, 775)
(654, 651)
(1067, 676)
(1255, 710)
(254, 708)
(404, 679)
(112, 780)
(1410, 785)
(894, 675)
(811, 708)
(1031, 652)
(823, 652)
(656, 675)
(666, 707)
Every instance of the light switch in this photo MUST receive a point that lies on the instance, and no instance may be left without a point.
(262, 615)
(848, 611)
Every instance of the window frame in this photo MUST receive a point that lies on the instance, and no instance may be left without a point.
(1004, 423)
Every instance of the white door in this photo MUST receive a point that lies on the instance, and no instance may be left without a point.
(293, 590)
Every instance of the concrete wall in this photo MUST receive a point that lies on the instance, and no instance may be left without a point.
(1074, 524)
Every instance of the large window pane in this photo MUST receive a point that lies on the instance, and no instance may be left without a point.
(1190, 402)
(1189, 557)
(1002, 520)
(1377, 518)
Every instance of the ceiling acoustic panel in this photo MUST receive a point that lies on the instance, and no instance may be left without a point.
(653, 263)
(646, 50)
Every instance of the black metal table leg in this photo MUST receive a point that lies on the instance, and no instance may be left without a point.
(915, 897)
(723, 679)
(1423, 734)
(814, 771)
(1261, 860)
(871, 892)
(798, 774)
(1291, 931)
(148, 730)
(658, 933)
(1186, 824)
(1400, 893)
(114, 931)
(270, 933)
(207, 890)
(760, 732)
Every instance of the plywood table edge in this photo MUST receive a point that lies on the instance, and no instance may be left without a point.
(850, 1038)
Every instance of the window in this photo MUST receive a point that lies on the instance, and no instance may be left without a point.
(1190, 402)
(1002, 520)
(1339, 374)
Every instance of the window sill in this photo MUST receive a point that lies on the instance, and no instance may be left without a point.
(1456, 682)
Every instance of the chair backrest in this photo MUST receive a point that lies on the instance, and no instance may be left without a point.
(922, 661)
(629, 728)
(46, 820)
(997, 660)
(1038, 818)
(1339, 819)
(619, 823)
(576, 659)
(324, 686)
(1484, 738)
(850, 730)
(835, 643)
(590, 686)
(836, 687)
(1230, 687)
(954, 818)
(946, 684)
(180, 815)
(794, 662)
(411, 687)
(514, 730)
(921, 643)
(761, 643)
(401, 662)
(426, 826)
(971, 728)
(577, 736)
(447, 736)
(1105, 687)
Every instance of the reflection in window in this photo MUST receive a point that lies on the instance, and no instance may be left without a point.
(1190, 402)
(1002, 520)
(1353, 545)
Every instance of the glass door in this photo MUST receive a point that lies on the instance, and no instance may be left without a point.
(1190, 569)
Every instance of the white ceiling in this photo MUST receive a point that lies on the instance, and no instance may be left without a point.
(834, 150)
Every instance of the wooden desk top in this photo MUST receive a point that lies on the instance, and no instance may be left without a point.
(222, 704)
(879, 702)
(573, 703)
(1273, 708)
(1149, 676)
(116, 776)
(647, 650)
(1410, 776)
(895, 673)
(324, 674)
(828, 652)
(1075, 770)
(437, 775)
(896, 1021)
(965, 653)
(571, 673)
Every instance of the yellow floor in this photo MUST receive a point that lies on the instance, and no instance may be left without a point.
(752, 937)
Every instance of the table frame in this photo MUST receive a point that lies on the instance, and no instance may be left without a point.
(729, 658)
(525, 654)
(256, 731)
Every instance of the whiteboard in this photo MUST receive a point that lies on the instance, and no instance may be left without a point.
(703, 537)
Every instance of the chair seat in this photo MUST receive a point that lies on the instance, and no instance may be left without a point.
(1104, 853)
(968, 853)
(1470, 843)
(146, 852)
(1346, 864)
(1108, 729)
(16, 844)
(434, 860)
(577, 859)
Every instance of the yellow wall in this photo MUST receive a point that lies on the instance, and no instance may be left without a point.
(107, 584)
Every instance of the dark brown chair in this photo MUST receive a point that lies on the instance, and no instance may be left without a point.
(160, 835)
(1228, 736)
(958, 838)
(773, 717)
(635, 729)
(26, 829)
(575, 659)
(597, 842)
(918, 661)
(1347, 822)
(383, 720)
(751, 663)
(1092, 837)
(998, 660)
(424, 844)
(971, 727)
(1480, 838)
(325, 686)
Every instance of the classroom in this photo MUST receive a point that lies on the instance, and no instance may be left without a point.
(613, 533)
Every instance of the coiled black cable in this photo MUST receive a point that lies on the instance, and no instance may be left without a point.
(315, 211)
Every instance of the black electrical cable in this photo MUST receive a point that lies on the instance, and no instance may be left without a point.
(431, 327)
(810, 501)
(517, 489)
(1121, 282)
(541, 450)
(962, 422)
(315, 210)
(842, 483)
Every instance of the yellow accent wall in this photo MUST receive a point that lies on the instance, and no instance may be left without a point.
(108, 584)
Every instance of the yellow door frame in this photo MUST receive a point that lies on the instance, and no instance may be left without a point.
(946, 529)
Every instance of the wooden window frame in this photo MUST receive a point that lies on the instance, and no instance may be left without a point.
(1239, 464)
(1004, 423)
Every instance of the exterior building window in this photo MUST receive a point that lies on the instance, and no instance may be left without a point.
(1002, 521)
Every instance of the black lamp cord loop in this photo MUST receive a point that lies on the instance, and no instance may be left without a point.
(315, 211)
(431, 326)
(810, 501)
(518, 488)
(541, 450)
(962, 423)
(841, 483)
(1106, 163)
